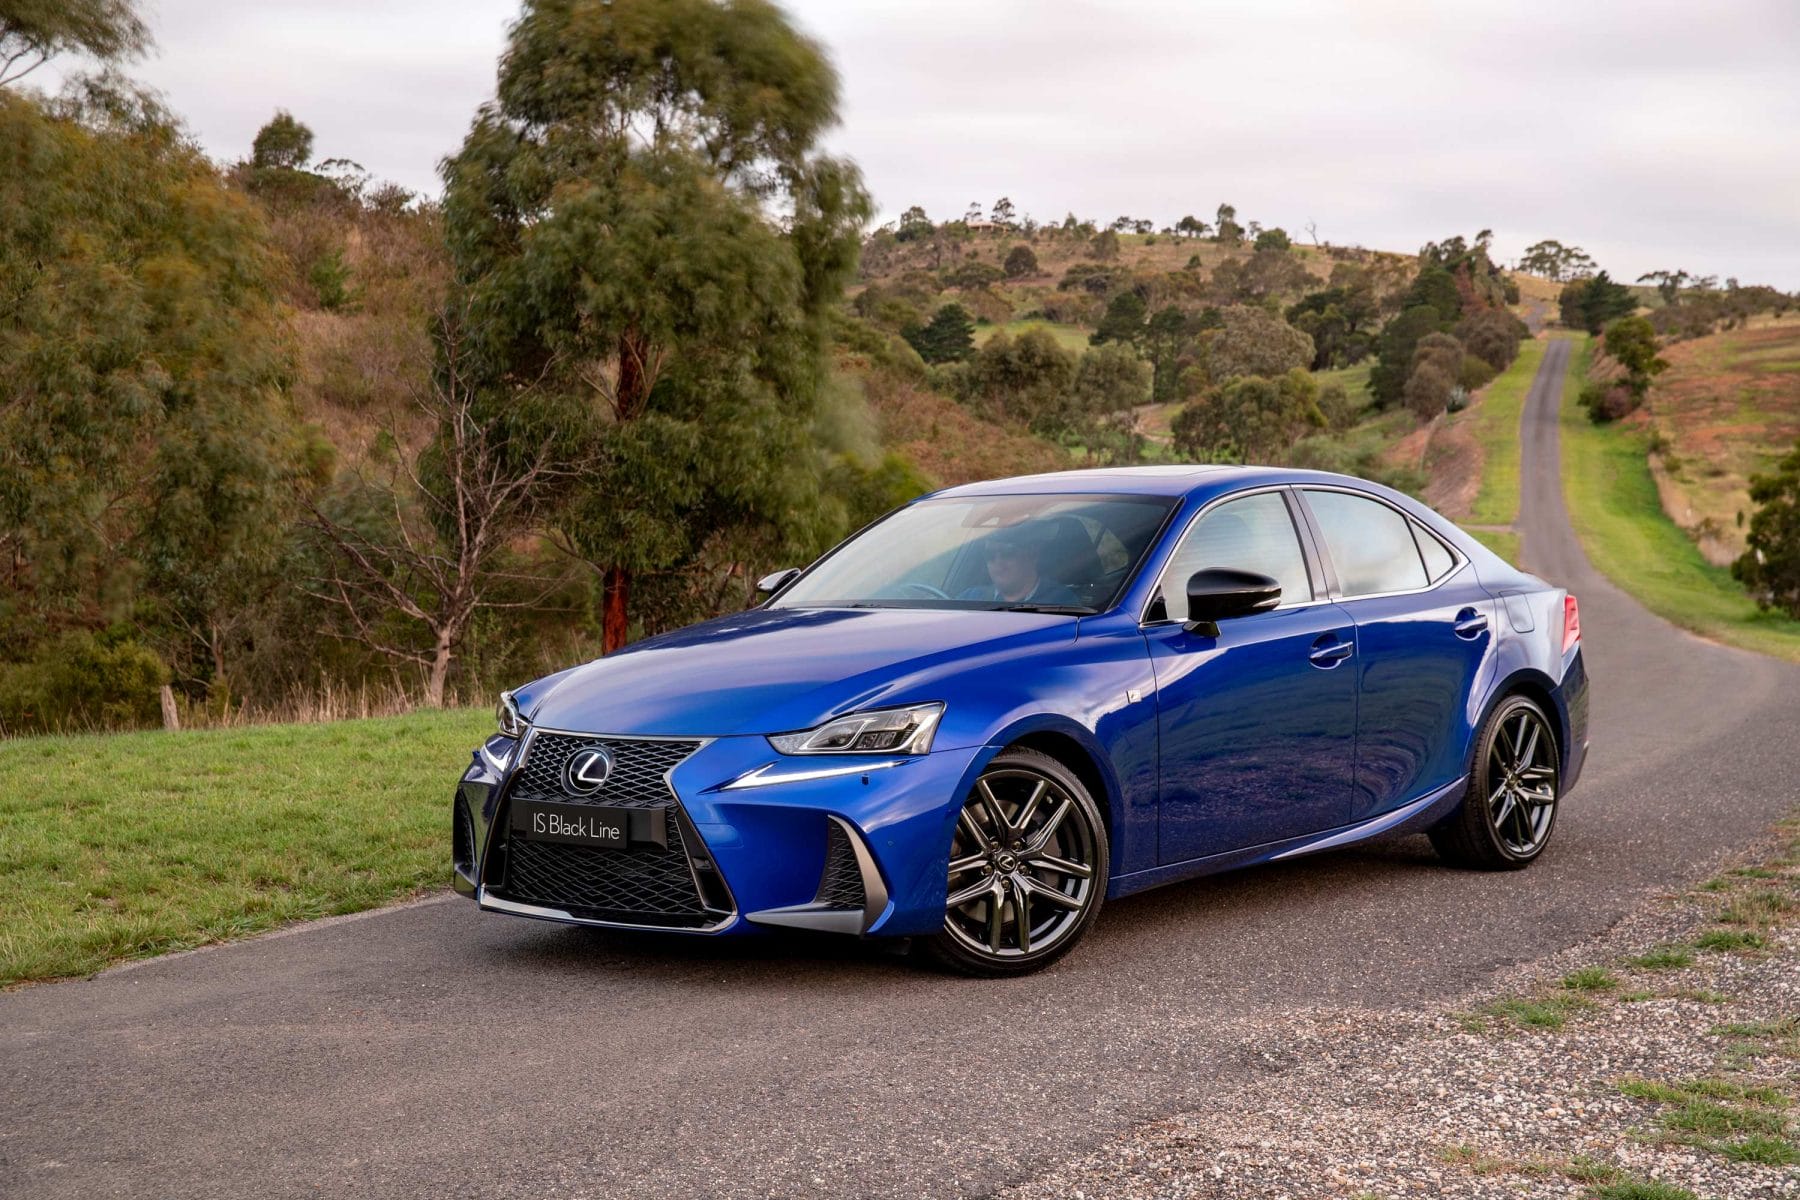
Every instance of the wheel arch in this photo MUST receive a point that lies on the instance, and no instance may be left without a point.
(1540, 689)
(1073, 748)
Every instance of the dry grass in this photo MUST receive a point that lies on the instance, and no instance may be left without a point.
(947, 442)
(1727, 407)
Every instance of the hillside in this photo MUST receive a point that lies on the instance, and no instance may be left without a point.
(1726, 409)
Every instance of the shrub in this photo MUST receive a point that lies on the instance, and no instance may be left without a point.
(1428, 390)
(83, 681)
(1020, 262)
(1770, 566)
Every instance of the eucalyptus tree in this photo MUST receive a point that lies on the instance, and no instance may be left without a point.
(147, 450)
(650, 239)
(32, 32)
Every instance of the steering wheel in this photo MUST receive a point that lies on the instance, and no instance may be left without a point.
(926, 588)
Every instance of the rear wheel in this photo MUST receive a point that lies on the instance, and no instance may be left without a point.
(1505, 819)
(1028, 869)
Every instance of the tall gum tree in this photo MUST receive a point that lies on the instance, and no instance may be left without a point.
(649, 240)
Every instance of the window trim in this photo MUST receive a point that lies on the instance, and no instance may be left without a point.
(1316, 572)
(1459, 559)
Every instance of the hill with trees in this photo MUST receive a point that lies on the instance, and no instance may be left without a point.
(272, 428)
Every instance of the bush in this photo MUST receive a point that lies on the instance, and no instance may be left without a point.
(973, 275)
(1608, 400)
(330, 279)
(1493, 336)
(1428, 390)
(1020, 262)
(1770, 567)
(82, 681)
(1474, 373)
(1249, 419)
(1339, 410)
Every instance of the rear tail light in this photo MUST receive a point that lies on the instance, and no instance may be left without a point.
(1571, 622)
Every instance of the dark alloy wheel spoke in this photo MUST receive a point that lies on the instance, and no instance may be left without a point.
(1022, 866)
(1522, 783)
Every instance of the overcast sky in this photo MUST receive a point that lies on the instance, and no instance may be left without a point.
(1655, 135)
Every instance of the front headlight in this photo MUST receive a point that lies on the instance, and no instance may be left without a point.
(506, 715)
(878, 731)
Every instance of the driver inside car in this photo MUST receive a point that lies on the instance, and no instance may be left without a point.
(1013, 565)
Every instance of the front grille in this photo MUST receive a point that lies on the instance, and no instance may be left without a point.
(840, 885)
(636, 780)
(643, 885)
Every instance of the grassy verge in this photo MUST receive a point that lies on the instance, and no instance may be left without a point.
(1495, 425)
(123, 846)
(1504, 542)
(1615, 509)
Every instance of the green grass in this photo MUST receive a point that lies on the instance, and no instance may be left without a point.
(1663, 958)
(1542, 1012)
(1495, 425)
(1503, 542)
(1069, 337)
(1590, 979)
(1640, 1189)
(1730, 939)
(1355, 380)
(1613, 503)
(123, 846)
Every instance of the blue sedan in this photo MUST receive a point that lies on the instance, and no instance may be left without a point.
(998, 706)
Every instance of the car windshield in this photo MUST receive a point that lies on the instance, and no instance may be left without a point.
(1061, 553)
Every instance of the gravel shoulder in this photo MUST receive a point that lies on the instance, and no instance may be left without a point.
(1661, 1060)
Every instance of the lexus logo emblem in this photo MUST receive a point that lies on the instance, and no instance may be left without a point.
(586, 770)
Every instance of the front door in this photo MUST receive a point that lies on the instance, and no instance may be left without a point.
(1257, 725)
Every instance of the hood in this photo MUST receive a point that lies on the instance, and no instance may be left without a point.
(776, 670)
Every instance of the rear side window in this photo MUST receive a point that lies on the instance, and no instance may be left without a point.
(1371, 545)
(1253, 534)
(1438, 559)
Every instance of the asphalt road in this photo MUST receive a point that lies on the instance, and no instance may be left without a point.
(431, 1050)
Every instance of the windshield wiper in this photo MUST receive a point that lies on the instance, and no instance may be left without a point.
(1067, 610)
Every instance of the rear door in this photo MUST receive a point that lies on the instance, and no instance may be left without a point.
(1256, 726)
(1424, 627)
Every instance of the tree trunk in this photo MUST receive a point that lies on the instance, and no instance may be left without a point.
(171, 716)
(612, 613)
(440, 671)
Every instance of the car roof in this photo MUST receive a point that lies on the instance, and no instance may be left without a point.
(1176, 480)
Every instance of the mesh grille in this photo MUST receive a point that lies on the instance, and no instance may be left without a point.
(640, 886)
(636, 780)
(645, 885)
(840, 886)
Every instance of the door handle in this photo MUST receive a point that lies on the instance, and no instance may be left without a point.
(1328, 652)
(1470, 624)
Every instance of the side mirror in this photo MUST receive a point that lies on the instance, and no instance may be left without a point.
(1219, 593)
(770, 584)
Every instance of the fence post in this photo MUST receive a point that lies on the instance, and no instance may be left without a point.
(171, 715)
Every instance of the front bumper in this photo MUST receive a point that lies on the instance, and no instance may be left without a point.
(857, 846)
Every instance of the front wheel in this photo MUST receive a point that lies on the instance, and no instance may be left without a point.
(1505, 818)
(1028, 869)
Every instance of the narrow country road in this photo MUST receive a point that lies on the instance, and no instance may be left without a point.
(430, 1050)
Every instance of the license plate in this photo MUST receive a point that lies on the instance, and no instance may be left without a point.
(586, 824)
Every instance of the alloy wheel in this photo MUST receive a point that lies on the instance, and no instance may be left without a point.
(1021, 866)
(1522, 782)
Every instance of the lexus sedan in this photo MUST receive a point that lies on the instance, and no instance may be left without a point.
(988, 712)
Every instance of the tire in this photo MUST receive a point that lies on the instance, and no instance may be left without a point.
(1029, 839)
(1515, 785)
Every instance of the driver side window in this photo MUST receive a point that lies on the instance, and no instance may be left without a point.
(1253, 534)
